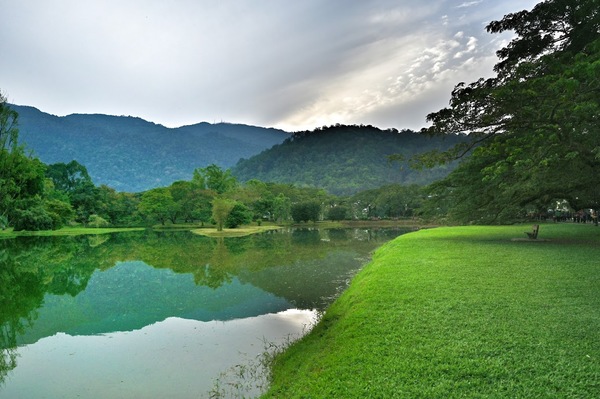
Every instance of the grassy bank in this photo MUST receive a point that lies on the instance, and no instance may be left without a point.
(460, 312)
(66, 231)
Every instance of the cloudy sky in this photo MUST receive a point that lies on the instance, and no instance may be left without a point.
(279, 63)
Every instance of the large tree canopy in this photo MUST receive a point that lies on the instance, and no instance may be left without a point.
(21, 176)
(534, 128)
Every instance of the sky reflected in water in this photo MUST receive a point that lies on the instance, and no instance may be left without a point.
(176, 358)
(159, 315)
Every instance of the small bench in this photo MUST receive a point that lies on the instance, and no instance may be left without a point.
(534, 233)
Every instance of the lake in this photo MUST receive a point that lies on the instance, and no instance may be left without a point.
(164, 314)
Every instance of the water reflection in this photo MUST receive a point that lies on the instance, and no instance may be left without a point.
(174, 358)
(89, 285)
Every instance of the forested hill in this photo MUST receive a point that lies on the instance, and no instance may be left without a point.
(345, 159)
(131, 154)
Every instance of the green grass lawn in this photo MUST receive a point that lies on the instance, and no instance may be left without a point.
(460, 312)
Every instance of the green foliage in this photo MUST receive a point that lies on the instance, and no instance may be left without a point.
(306, 211)
(158, 204)
(73, 180)
(339, 212)
(214, 178)
(62, 211)
(119, 209)
(21, 176)
(257, 196)
(391, 201)
(21, 179)
(535, 125)
(68, 177)
(35, 218)
(9, 132)
(239, 215)
(96, 221)
(346, 159)
(282, 208)
(193, 201)
(221, 208)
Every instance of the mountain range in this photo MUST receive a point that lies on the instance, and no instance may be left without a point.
(131, 154)
(346, 159)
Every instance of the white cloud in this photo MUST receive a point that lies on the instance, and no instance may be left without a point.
(469, 4)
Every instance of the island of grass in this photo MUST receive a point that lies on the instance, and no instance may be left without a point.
(237, 232)
(459, 312)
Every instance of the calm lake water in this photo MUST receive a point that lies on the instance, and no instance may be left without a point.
(163, 314)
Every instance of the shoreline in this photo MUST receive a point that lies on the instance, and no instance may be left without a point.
(458, 312)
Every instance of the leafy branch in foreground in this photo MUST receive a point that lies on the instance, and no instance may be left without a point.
(534, 127)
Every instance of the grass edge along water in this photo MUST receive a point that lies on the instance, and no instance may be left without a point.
(459, 312)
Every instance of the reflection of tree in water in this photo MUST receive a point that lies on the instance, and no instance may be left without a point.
(21, 293)
(338, 234)
(306, 236)
(8, 361)
(239, 245)
(215, 274)
(302, 260)
(31, 267)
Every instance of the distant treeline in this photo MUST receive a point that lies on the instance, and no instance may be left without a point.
(329, 173)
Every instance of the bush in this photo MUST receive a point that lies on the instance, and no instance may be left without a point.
(97, 221)
(239, 215)
(36, 218)
(337, 213)
(61, 212)
(305, 211)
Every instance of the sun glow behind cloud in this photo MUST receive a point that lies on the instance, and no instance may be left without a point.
(404, 70)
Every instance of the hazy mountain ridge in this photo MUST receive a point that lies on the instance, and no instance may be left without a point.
(346, 159)
(132, 154)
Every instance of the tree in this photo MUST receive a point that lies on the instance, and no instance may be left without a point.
(33, 218)
(9, 133)
(97, 221)
(68, 177)
(21, 176)
(390, 201)
(61, 211)
(214, 178)
(118, 208)
(534, 128)
(73, 179)
(21, 179)
(158, 203)
(256, 196)
(193, 200)
(282, 206)
(338, 212)
(221, 208)
(305, 211)
(239, 215)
